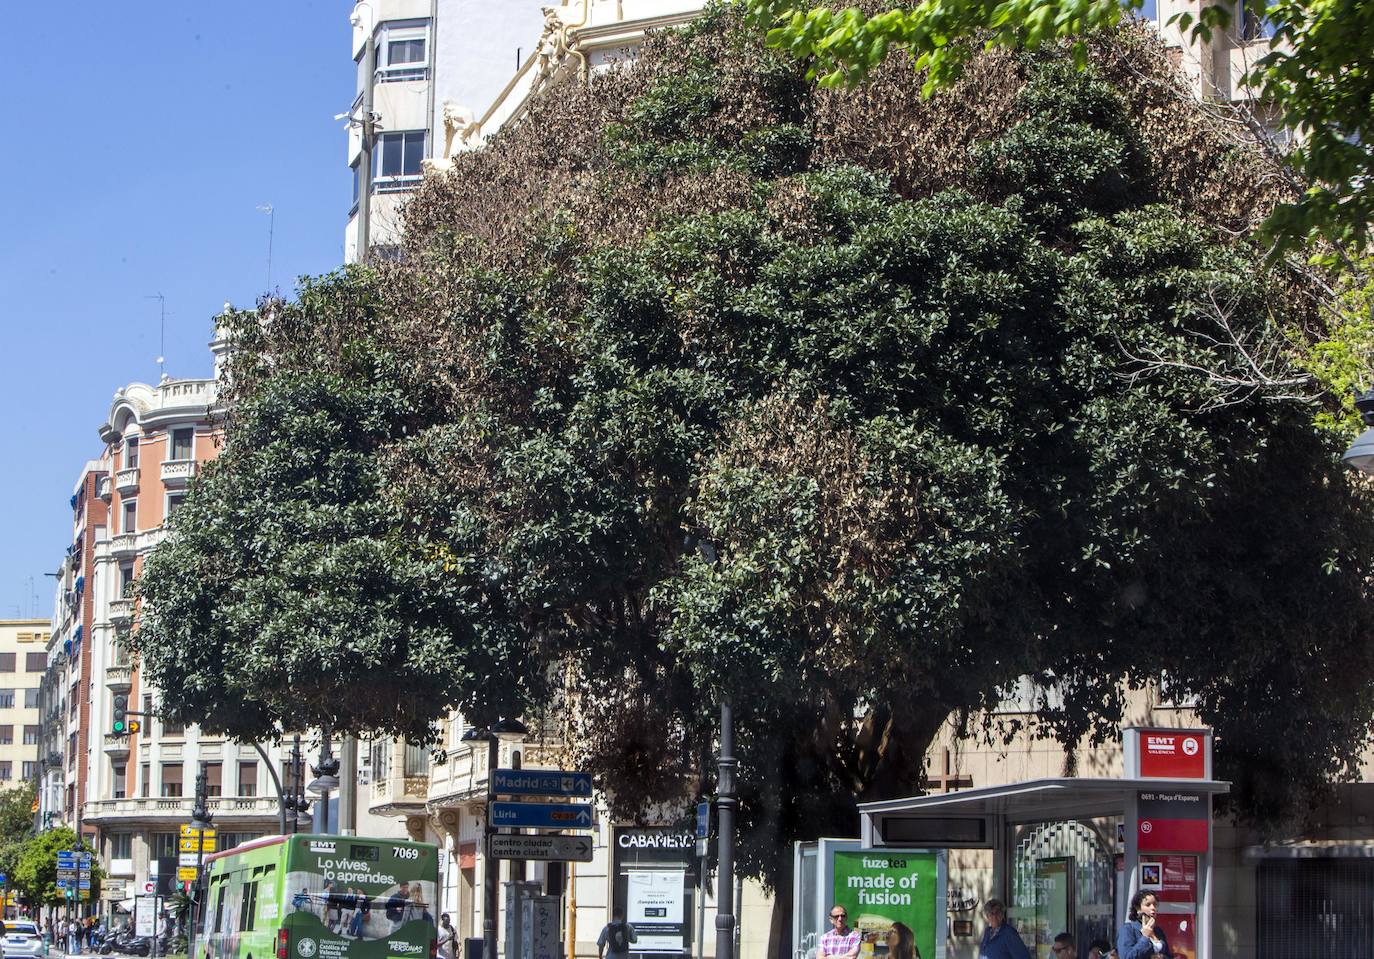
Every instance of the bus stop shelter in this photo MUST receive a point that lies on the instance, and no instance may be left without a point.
(1069, 853)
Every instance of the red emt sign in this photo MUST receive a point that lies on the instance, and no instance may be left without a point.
(1169, 753)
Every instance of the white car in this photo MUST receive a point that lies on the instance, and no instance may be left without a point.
(22, 940)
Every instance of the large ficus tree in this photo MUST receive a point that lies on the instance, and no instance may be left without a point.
(852, 408)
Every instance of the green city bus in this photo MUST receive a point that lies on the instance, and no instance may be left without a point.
(319, 897)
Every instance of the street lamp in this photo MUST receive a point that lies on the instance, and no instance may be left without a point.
(200, 825)
(326, 779)
(506, 730)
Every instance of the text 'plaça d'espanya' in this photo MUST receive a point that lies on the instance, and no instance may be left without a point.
(880, 890)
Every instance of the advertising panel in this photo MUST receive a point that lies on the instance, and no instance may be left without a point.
(880, 887)
(1053, 901)
(655, 882)
(354, 898)
(1173, 880)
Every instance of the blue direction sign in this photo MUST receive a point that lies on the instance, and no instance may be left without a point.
(62, 883)
(542, 782)
(522, 815)
(703, 820)
(84, 884)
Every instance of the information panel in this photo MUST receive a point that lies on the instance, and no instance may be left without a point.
(655, 882)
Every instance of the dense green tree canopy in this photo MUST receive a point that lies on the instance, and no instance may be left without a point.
(1313, 70)
(851, 406)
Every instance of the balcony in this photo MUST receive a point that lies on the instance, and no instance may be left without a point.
(177, 473)
(121, 611)
(116, 746)
(261, 810)
(103, 487)
(119, 678)
(126, 482)
(124, 546)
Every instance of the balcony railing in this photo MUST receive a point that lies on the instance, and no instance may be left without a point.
(103, 487)
(121, 611)
(166, 807)
(117, 677)
(124, 545)
(116, 745)
(177, 473)
(126, 481)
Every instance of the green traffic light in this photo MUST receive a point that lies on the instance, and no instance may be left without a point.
(119, 727)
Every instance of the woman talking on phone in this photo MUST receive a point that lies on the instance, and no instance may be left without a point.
(1139, 937)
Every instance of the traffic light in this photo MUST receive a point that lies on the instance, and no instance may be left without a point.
(123, 725)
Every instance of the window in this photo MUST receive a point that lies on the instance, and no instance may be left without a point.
(121, 845)
(147, 711)
(30, 735)
(1252, 25)
(6, 770)
(357, 182)
(173, 729)
(174, 501)
(401, 52)
(35, 662)
(219, 909)
(130, 517)
(30, 769)
(381, 759)
(31, 698)
(417, 760)
(6, 699)
(228, 840)
(250, 906)
(213, 781)
(7, 664)
(248, 778)
(164, 845)
(146, 777)
(171, 780)
(126, 580)
(398, 155)
(118, 784)
(6, 735)
(181, 444)
(131, 452)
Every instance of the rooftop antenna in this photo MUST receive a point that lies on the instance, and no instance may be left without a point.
(161, 333)
(271, 227)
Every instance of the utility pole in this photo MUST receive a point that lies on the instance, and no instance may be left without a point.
(368, 133)
(348, 787)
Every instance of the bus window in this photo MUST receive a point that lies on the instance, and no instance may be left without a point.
(250, 906)
(219, 909)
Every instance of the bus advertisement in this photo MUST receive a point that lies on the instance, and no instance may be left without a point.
(321, 897)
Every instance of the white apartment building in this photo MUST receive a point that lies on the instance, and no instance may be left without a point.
(411, 57)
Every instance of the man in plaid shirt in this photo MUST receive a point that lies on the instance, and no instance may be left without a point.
(840, 942)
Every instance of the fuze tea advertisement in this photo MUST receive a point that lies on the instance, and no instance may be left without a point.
(348, 898)
(880, 888)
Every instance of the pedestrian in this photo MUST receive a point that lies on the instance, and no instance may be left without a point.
(1139, 937)
(396, 905)
(446, 938)
(901, 942)
(1064, 947)
(1000, 938)
(839, 942)
(616, 937)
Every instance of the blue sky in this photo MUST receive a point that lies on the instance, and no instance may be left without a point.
(143, 137)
